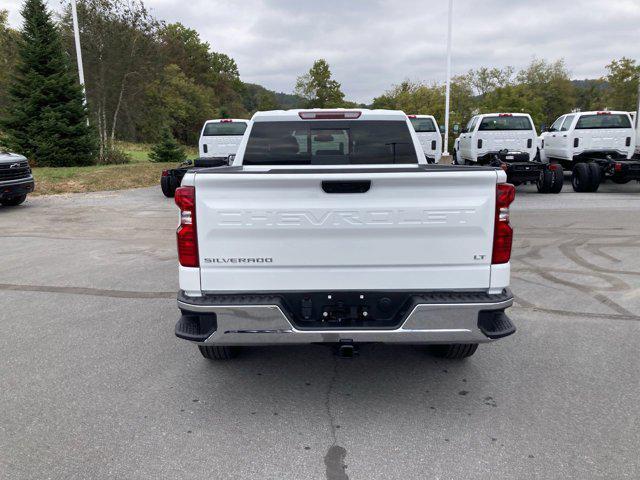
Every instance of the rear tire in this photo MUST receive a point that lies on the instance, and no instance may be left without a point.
(545, 181)
(581, 177)
(13, 201)
(596, 175)
(168, 186)
(453, 351)
(558, 179)
(216, 352)
(454, 158)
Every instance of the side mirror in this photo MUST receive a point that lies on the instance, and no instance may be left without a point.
(441, 128)
(187, 163)
(456, 128)
(231, 158)
(543, 128)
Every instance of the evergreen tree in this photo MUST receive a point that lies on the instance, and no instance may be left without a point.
(167, 150)
(46, 117)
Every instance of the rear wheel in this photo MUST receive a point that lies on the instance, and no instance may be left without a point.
(216, 352)
(595, 173)
(545, 180)
(581, 177)
(13, 201)
(558, 179)
(453, 351)
(168, 186)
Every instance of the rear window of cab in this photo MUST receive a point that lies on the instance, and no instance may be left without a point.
(340, 142)
(505, 122)
(423, 125)
(214, 129)
(603, 120)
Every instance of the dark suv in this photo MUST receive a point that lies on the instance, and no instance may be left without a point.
(16, 180)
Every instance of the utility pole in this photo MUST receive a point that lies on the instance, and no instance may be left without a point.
(448, 85)
(76, 35)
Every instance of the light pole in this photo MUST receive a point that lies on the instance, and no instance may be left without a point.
(448, 85)
(76, 35)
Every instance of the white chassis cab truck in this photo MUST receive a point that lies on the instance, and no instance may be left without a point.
(636, 123)
(508, 141)
(221, 138)
(428, 134)
(330, 227)
(219, 142)
(594, 146)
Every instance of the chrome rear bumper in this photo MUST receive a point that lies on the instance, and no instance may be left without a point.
(267, 324)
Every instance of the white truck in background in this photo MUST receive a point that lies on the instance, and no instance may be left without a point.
(218, 143)
(594, 146)
(428, 133)
(636, 123)
(221, 138)
(330, 227)
(508, 141)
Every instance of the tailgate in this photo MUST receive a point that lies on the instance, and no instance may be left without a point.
(273, 231)
(512, 140)
(221, 145)
(604, 139)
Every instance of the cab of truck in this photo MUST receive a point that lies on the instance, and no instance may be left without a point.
(428, 134)
(221, 137)
(588, 134)
(509, 135)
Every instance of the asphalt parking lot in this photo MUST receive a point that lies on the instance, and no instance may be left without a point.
(95, 385)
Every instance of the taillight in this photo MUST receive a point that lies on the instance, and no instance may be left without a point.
(165, 173)
(226, 120)
(505, 115)
(502, 232)
(185, 198)
(411, 116)
(617, 167)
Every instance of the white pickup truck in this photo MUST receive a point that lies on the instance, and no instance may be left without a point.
(594, 146)
(221, 137)
(330, 227)
(508, 141)
(428, 134)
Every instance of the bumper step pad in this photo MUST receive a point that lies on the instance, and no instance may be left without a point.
(495, 324)
(196, 328)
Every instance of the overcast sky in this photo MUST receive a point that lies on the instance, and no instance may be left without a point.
(373, 44)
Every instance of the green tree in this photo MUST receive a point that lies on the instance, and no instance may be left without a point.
(46, 116)
(548, 90)
(622, 79)
(178, 102)
(120, 54)
(267, 101)
(590, 94)
(167, 149)
(8, 56)
(318, 88)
